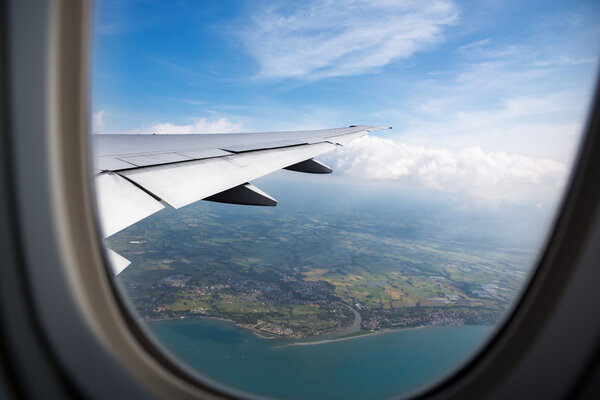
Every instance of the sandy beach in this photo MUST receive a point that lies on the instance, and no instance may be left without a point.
(339, 339)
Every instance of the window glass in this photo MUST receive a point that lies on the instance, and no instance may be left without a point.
(383, 277)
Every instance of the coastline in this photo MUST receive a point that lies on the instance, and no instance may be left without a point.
(358, 335)
(257, 333)
(347, 334)
(355, 327)
(352, 332)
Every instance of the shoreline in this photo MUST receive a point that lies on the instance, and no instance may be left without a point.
(310, 341)
(355, 327)
(361, 335)
(257, 333)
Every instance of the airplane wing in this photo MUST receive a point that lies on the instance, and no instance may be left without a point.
(136, 175)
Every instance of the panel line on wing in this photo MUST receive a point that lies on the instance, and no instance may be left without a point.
(134, 183)
(121, 203)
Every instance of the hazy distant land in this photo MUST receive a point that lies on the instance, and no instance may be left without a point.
(314, 266)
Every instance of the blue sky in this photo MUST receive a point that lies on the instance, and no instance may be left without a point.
(487, 98)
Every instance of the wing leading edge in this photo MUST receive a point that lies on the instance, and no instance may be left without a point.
(137, 174)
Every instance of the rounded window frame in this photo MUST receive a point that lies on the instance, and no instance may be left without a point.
(71, 267)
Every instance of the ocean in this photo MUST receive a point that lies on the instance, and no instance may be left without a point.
(376, 366)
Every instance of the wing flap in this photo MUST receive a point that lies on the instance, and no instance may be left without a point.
(185, 183)
(121, 203)
(117, 262)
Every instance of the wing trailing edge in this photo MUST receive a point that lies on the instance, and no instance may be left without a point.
(180, 184)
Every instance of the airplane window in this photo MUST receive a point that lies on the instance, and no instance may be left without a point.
(332, 257)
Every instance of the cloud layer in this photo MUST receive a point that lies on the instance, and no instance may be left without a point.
(325, 39)
(473, 175)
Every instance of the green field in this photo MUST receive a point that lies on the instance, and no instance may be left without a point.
(290, 271)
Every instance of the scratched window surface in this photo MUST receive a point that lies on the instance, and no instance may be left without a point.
(375, 280)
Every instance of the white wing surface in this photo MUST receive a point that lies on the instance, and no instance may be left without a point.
(137, 174)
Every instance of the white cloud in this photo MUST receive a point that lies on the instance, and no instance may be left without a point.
(471, 174)
(473, 46)
(98, 121)
(498, 102)
(527, 95)
(326, 39)
(199, 125)
(193, 102)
